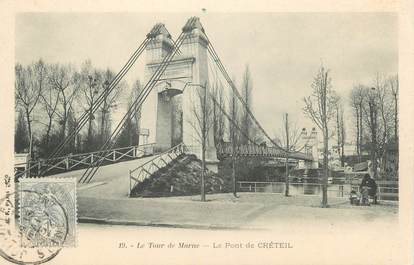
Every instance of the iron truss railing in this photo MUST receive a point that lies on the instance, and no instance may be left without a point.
(144, 171)
(226, 149)
(78, 161)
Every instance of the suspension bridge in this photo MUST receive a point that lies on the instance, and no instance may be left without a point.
(177, 73)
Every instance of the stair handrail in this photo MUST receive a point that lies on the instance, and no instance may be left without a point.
(180, 147)
(158, 155)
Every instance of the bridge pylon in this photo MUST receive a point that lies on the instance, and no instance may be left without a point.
(169, 111)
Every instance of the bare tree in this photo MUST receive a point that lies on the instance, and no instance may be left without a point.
(63, 79)
(393, 82)
(319, 107)
(378, 112)
(50, 98)
(29, 84)
(340, 128)
(234, 137)
(385, 128)
(371, 113)
(202, 111)
(377, 108)
(234, 107)
(289, 139)
(110, 101)
(136, 91)
(247, 87)
(90, 88)
(357, 101)
(386, 114)
(21, 141)
(218, 116)
(394, 86)
(130, 131)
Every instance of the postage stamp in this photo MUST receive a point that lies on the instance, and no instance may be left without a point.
(12, 236)
(47, 212)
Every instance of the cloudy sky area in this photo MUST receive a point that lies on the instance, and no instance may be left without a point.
(284, 50)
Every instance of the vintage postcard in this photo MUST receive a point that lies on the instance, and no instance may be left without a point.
(225, 133)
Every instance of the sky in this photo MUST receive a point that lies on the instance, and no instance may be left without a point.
(283, 50)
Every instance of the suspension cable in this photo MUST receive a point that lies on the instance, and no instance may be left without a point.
(228, 79)
(86, 115)
(136, 105)
(230, 119)
(115, 81)
(90, 172)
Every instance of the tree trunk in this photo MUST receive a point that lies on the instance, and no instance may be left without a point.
(131, 131)
(102, 126)
(338, 128)
(325, 169)
(233, 175)
(342, 154)
(287, 175)
(361, 128)
(396, 118)
(396, 133)
(90, 147)
(358, 147)
(203, 161)
(374, 144)
(49, 127)
(287, 157)
(325, 144)
(64, 120)
(233, 141)
(63, 128)
(29, 131)
(138, 123)
(203, 144)
(64, 116)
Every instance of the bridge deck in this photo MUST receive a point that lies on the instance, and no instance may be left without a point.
(226, 149)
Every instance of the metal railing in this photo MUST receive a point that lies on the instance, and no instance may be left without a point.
(226, 149)
(78, 161)
(147, 169)
(387, 190)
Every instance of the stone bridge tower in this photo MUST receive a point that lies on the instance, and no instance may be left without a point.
(169, 111)
(310, 143)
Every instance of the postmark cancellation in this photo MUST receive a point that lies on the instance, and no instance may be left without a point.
(47, 211)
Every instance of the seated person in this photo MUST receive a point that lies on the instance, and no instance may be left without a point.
(370, 186)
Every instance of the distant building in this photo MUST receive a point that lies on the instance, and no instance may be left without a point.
(310, 146)
(350, 149)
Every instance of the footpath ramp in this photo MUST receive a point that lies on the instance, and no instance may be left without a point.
(110, 180)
